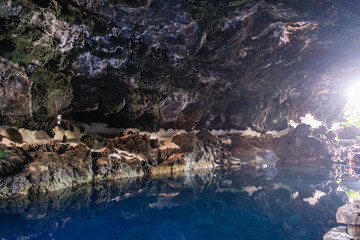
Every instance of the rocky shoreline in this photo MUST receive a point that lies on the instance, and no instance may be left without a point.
(53, 166)
(29, 168)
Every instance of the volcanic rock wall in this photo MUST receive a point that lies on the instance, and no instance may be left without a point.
(181, 63)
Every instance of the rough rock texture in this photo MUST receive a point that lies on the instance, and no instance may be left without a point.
(349, 214)
(14, 135)
(349, 132)
(48, 167)
(338, 233)
(295, 147)
(180, 64)
(30, 168)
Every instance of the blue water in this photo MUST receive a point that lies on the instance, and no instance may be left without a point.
(211, 205)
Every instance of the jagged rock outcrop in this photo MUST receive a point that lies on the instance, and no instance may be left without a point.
(41, 168)
(34, 168)
(180, 64)
(297, 146)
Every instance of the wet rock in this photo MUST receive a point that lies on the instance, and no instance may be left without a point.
(88, 140)
(14, 135)
(50, 171)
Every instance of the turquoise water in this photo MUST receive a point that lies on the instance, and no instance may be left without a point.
(223, 204)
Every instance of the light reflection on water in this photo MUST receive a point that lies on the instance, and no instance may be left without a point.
(297, 203)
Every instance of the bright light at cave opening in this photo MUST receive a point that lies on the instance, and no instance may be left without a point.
(352, 108)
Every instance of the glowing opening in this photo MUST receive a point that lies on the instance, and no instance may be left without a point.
(352, 108)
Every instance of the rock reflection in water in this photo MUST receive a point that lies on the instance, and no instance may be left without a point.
(237, 204)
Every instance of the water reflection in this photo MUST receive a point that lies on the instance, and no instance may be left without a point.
(297, 203)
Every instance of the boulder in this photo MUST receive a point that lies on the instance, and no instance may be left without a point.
(349, 214)
(206, 136)
(338, 233)
(349, 132)
(281, 125)
(302, 130)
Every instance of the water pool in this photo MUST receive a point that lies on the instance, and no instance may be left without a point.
(296, 203)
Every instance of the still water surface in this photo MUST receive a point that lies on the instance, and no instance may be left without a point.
(296, 203)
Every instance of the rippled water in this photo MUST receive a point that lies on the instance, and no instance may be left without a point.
(297, 203)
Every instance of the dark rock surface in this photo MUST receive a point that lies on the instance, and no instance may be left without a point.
(48, 167)
(33, 168)
(88, 140)
(349, 215)
(292, 148)
(349, 132)
(206, 136)
(180, 64)
(14, 135)
(302, 130)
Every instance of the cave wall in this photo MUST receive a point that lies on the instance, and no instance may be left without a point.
(180, 63)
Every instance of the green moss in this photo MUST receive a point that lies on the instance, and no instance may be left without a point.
(44, 79)
(50, 91)
(26, 49)
(69, 18)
